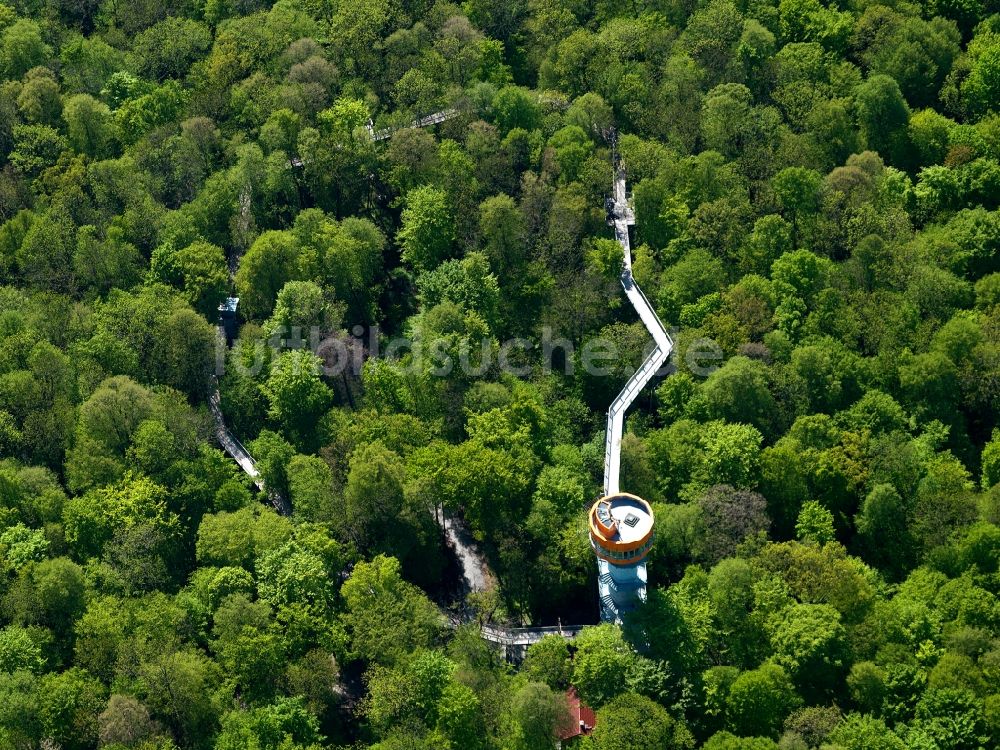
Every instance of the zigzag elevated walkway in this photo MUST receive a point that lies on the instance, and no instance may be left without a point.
(621, 217)
(383, 134)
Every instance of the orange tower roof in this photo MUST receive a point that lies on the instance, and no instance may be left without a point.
(621, 528)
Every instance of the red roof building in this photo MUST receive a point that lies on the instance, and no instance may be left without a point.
(583, 718)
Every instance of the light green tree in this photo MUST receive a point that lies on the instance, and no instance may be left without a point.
(272, 260)
(68, 706)
(540, 714)
(386, 617)
(601, 659)
(883, 116)
(89, 125)
(296, 394)
(428, 228)
(815, 524)
(21, 48)
(19, 651)
(548, 661)
(201, 267)
(311, 489)
(759, 701)
(810, 642)
(634, 721)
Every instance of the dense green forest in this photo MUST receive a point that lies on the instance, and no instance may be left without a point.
(816, 187)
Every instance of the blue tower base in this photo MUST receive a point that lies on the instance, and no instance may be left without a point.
(621, 588)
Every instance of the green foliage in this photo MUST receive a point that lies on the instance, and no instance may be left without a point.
(991, 462)
(540, 715)
(92, 519)
(270, 727)
(68, 707)
(301, 306)
(729, 741)
(635, 721)
(293, 575)
(815, 190)
(21, 48)
(815, 524)
(548, 661)
(139, 115)
(199, 269)
(274, 259)
(601, 658)
(979, 88)
(236, 538)
(883, 115)
(311, 489)
(296, 394)
(808, 641)
(386, 617)
(18, 651)
(178, 688)
(168, 48)
(22, 545)
(759, 700)
(739, 392)
(427, 228)
(863, 731)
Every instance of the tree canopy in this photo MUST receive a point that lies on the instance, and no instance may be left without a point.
(429, 331)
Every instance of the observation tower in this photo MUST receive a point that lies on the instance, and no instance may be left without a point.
(621, 533)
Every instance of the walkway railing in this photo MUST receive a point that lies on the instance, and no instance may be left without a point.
(229, 442)
(232, 445)
(226, 439)
(526, 636)
(420, 122)
(238, 452)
